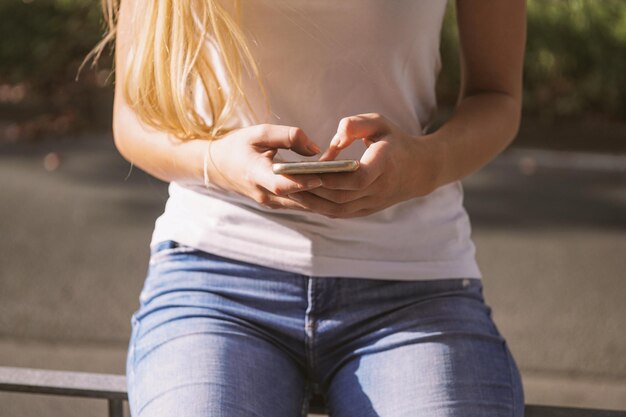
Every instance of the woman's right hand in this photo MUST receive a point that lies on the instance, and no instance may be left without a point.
(242, 162)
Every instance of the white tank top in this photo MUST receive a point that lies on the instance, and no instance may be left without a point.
(322, 60)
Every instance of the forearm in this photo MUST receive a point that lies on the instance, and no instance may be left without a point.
(491, 37)
(158, 153)
(239, 161)
(482, 126)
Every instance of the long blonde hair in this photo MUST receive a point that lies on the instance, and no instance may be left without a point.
(168, 57)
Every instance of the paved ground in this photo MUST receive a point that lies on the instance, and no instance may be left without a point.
(550, 231)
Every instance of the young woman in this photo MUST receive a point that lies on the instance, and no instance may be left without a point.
(362, 287)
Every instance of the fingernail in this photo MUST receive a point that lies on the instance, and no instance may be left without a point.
(337, 141)
(314, 183)
(295, 197)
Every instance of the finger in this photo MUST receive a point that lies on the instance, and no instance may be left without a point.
(362, 126)
(360, 179)
(346, 196)
(285, 137)
(327, 208)
(276, 202)
(333, 151)
(377, 158)
(266, 199)
(330, 154)
(363, 212)
(282, 185)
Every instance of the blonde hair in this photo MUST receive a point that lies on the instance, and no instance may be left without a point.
(168, 57)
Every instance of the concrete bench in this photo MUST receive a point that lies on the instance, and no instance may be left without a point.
(113, 389)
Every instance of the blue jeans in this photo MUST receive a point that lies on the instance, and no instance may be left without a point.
(215, 337)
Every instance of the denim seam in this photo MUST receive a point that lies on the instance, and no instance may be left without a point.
(508, 360)
(304, 411)
(309, 325)
(130, 373)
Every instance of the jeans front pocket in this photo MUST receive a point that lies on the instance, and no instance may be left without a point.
(165, 251)
(163, 256)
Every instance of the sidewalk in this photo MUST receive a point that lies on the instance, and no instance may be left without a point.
(550, 237)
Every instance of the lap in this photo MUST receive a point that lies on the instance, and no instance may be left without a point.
(200, 347)
(437, 357)
(207, 372)
(219, 338)
(462, 377)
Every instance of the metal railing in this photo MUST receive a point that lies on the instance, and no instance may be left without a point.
(113, 389)
(74, 384)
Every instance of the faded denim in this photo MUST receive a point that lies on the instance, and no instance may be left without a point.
(214, 337)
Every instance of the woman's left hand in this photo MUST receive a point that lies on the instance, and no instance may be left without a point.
(395, 167)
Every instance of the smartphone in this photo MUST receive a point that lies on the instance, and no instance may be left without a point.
(316, 167)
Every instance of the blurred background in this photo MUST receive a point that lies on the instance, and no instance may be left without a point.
(549, 214)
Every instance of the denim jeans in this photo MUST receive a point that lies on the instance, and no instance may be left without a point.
(215, 337)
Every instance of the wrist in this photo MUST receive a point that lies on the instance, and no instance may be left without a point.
(187, 162)
(212, 175)
(434, 154)
(197, 151)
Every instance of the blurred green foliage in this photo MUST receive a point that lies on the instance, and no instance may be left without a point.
(42, 45)
(575, 59)
(43, 42)
(576, 56)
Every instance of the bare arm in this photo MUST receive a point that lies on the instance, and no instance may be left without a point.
(239, 162)
(158, 153)
(397, 166)
(486, 120)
